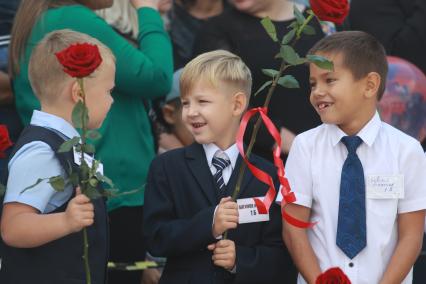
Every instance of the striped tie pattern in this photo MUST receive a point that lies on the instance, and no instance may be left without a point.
(220, 164)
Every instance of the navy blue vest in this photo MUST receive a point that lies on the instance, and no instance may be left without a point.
(60, 261)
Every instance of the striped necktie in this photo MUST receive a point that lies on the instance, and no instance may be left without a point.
(220, 163)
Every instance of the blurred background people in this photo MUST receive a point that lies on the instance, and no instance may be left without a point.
(239, 30)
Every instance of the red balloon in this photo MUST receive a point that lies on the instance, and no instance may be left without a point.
(403, 104)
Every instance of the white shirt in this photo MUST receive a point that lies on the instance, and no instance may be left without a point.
(314, 168)
(37, 160)
(232, 153)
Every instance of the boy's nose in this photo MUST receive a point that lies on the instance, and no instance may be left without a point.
(318, 92)
(192, 111)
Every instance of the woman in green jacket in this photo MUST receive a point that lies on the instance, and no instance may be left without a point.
(142, 73)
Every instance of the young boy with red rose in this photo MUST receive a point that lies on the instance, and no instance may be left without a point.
(40, 226)
(359, 180)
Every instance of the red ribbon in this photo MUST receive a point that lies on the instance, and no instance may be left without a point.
(288, 196)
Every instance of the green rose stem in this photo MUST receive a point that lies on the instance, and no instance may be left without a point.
(83, 183)
(305, 23)
(256, 128)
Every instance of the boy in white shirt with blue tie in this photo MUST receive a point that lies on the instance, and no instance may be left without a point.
(362, 181)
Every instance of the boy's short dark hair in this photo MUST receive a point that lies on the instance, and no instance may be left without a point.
(362, 54)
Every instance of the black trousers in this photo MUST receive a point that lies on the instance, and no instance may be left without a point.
(126, 243)
(419, 275)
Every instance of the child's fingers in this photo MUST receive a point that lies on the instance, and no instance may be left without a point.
(211, 246)
(222, 256)
(87, 207)
(78, 191)
(225, 199)
(88, 215)
(228, 216)
(81, 199)
(230, 205)
(87, 222)
(221, 250)
(230, 219)
(230, 212)
(224, 243)
(227, 212)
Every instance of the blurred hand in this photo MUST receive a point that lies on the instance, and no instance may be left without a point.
(226, 216)
(224, 254)
(287, 138)
(80, 212)
(151, 276)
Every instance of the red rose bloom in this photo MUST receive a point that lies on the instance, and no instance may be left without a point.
(330, 10)
(79, 60)
(333, 276)
(4, 140)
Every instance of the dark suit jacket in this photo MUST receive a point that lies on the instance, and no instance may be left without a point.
(180, 200)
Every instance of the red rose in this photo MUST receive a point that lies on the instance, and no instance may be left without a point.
(4, 140)
(80, 60)
(333, 276)
(330, 10)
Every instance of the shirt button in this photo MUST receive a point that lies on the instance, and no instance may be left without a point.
(351, 264)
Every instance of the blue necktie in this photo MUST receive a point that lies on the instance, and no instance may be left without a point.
(351, 228)
(220, 164)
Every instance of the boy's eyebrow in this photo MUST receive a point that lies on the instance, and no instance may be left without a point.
(198, 95)
(325, 74)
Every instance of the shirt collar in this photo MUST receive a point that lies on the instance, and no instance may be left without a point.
(211, 149)
(47, 120)
(368, 133)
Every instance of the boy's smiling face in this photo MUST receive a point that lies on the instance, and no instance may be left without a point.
(211, 115)
(338, 97)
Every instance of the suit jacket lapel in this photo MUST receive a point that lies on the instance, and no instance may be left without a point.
(198, 165)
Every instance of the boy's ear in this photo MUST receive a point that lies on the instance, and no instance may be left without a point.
(169, 114)
(75, 92)
(372, 84)
(240, 103)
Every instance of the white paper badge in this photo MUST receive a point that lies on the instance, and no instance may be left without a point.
(385, 186)
(88, 159)
(248, 213)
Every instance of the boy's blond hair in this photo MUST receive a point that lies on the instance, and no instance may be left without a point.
(46, 74)
(219, 68)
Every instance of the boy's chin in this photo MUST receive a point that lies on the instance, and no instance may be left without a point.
(328, 120)
(202, 141)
